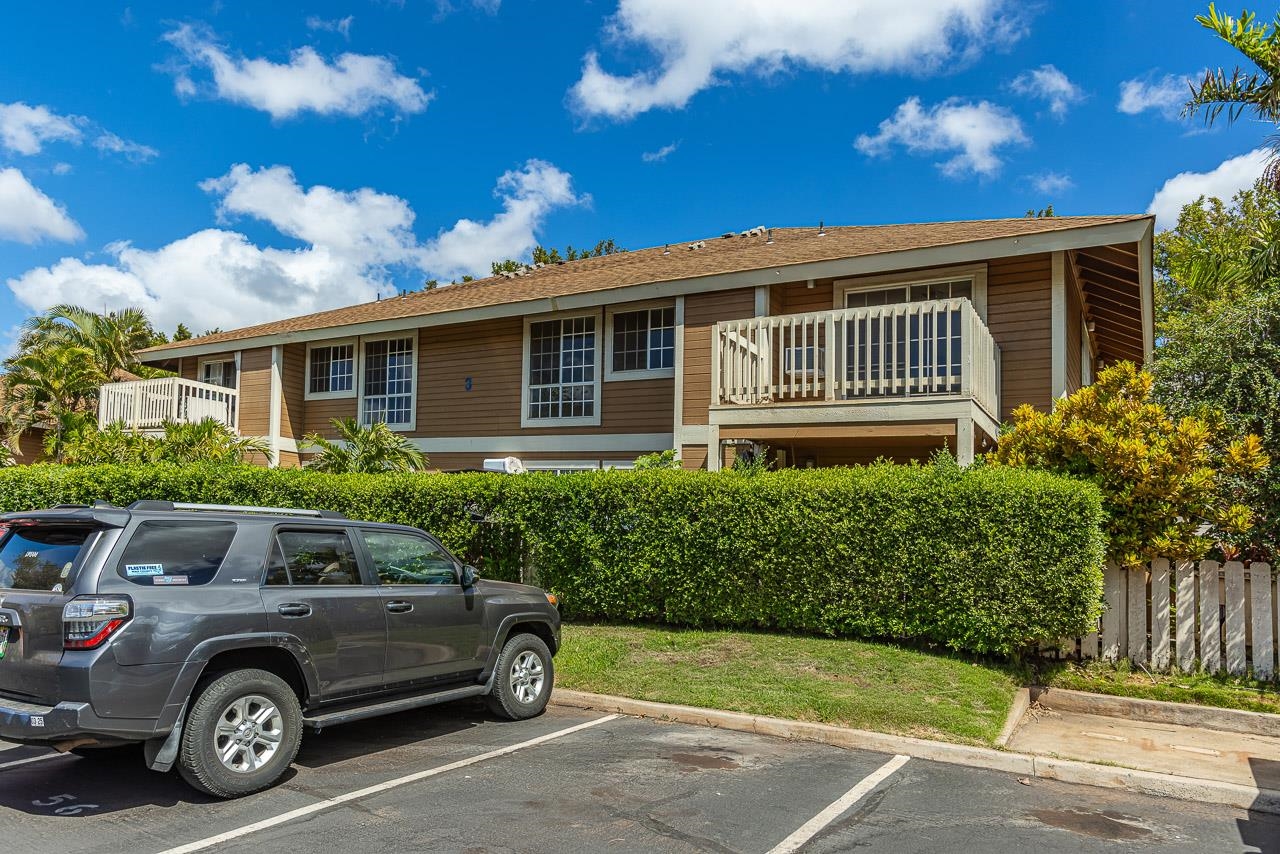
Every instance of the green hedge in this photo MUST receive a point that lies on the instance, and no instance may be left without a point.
(988, 559)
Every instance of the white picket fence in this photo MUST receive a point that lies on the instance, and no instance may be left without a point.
(1184, 614)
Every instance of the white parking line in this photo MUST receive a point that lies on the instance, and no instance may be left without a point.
(42, 757)
(814, 826)
(328, 803)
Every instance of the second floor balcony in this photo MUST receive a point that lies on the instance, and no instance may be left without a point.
(937, 349)
(149, 404)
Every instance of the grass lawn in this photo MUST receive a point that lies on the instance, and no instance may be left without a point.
(1227, 692)
(851, 683)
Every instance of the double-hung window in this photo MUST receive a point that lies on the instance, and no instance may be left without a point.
(221, 372)
(331, 370)
(562, 371)
(642, 344)
(387, 378)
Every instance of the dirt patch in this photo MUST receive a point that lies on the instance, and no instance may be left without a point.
(705, 656)
(705, 761)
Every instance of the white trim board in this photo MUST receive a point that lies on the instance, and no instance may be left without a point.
(931, 256)
(913, 409)
(564, 442)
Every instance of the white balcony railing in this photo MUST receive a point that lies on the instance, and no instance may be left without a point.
(148, 404)
(935, 348)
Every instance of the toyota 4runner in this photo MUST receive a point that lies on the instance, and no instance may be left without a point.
(213, 635)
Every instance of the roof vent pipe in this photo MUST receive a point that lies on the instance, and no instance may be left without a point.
(822, 229)
(666, 250)
(770, 236)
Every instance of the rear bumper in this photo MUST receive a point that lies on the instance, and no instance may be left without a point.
(28, 723)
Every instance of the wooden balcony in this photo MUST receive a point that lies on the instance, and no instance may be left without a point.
(149, 404)
(873, 357)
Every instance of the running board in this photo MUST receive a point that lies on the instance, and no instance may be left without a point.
(321, 720)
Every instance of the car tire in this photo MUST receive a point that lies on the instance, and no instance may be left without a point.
(522, 678)
(241, 735)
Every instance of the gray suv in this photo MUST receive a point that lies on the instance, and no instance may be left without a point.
(214, 635)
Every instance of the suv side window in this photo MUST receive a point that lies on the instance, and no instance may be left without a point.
(183, 552)
(312, 557)
(408, 559)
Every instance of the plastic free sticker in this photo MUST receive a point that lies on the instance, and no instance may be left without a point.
(136, 570)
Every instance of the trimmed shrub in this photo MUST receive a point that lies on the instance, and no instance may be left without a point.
(989, 559)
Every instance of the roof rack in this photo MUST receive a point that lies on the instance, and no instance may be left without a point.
(233, 508)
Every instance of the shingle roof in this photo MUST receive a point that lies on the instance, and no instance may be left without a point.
(645, 266)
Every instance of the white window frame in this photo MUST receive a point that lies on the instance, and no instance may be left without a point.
(223, 358)
(975, 273)
(354, 343)
(573, 421)
(412, 335)
(610, 375)
(561, 466)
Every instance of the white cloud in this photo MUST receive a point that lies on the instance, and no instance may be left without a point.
(1050, 183)
(1165, 95)
(349, 243)
(661, 154)
(62, 168)
(135, 151)
(341, 26)
(695, 42)
(1222, 182)
(974, 131)
(25, 129)
(528, 195)
(1049, 85)
(28, 215)
(352, 85)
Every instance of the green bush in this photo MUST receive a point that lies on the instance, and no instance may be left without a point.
(989, 560)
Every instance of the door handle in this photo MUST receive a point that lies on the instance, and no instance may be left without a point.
(294, 609)
(399, 607)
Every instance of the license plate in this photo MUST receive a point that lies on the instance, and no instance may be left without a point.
(4, 642)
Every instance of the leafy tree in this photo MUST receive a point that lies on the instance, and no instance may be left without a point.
(660, 460)
(1255, 90)
(1161, 480)
(367, 450)
(182, 333)
(45, 388)
(112, 338)
(541, 255)
(1044, 213)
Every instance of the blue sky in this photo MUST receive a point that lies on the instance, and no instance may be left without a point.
(245, 161)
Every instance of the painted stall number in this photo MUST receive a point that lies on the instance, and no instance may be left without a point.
(67, 807)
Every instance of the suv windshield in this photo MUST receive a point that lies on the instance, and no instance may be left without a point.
(41, 557)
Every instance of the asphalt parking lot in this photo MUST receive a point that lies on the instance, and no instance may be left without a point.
(454, 779)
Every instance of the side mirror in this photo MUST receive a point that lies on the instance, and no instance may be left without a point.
(469, 576)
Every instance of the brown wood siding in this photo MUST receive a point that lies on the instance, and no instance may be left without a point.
(293, 377)
(319, 412)
(289, 460)
(798, 297)
(491, 354)
(255, 392)
(1075, 325)
(825, 455)
(693, 456)
(1018, 316)
(701, 311)
(30, 447)
(188, 368)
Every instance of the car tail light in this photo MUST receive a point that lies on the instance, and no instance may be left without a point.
(87, 621)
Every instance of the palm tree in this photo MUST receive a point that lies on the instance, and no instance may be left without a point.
(207, 441)
(112, 338)
(1255, 91)
(368, 450)
(44, 388)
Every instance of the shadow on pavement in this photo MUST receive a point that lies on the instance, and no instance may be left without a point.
(376, 735)
(1262, 830)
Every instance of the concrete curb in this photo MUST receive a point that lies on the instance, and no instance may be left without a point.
(1159, 711)
(1024, 764)
(1021, 702)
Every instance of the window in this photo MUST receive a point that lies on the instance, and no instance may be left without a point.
(312, 557)
(909, 293)
(41, 557)
(331, 370)
(162, 553)
(643, 342)
(388, 382)
(220, 372)
(407, 559)
(562, 375)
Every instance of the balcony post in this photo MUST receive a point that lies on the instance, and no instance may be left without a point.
(964, 441)
(175, 401)
(717, 341)
(829, 366)
(968, 328)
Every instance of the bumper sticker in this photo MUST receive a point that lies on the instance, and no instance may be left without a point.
(169, 579)
(135, 570)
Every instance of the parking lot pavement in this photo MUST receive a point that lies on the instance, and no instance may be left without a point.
(451, 778)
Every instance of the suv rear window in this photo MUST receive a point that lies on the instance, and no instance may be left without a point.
(179, 552)
(41, 557)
